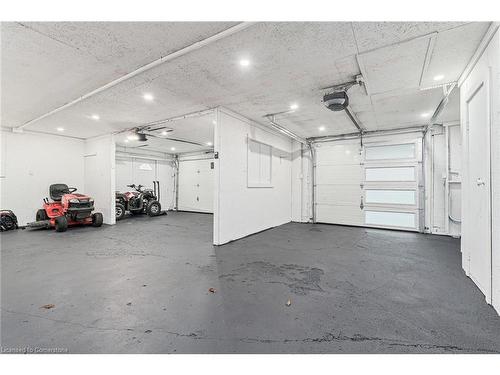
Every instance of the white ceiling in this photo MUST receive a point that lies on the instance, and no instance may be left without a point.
(45, 65)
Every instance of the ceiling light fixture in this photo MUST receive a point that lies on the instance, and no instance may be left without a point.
(209, 143)
(133, 137)
(60, 129)
(294, 106)
(95, 117)
(245, 62)
(425, 114)
(164, 133)
(321, 128)
(172, 148)
(148, 97)
(439, 77)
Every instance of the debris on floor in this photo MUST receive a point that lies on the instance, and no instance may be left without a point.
(288, 303)
(48, 306)
(148, 331)
(211, 290)
(129, 303)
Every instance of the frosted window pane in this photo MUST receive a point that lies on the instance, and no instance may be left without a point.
(390, 196)
(390, 174)
(393, 219)
(402, 151)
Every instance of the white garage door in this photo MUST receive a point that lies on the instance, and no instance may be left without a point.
(376, 185)
(196, 185)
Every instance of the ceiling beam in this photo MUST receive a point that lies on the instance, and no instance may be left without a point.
(183, 51)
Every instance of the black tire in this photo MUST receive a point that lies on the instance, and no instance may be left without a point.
(119, 211)
(61, 224)
(41, 215)
(153, 208)
(96, 219)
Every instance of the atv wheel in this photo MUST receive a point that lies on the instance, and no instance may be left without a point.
(119, 211)
(61, 224)
(41, 215)
(96, 219)
(153, 208)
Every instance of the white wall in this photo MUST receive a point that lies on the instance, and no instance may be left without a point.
(240, 210)
(31, 162)
(488, 65)
(99, 175)
(196, 183)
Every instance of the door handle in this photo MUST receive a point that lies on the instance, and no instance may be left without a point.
(480, 182)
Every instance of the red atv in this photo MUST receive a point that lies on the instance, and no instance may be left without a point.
(66, 209)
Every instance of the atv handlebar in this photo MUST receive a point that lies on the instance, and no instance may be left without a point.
(72, 190)
(138, 187)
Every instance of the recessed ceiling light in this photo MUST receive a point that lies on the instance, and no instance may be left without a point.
(60, 129)
(245, 62)
(172, 148)
(294, 106)
(95, 117)
(321, 128)
(148, 97)
(164, 132)
(209, 143)
(439, 77)
(425, 114)
(133, 137)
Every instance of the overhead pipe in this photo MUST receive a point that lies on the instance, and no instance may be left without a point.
(283, 130)
(183, 51)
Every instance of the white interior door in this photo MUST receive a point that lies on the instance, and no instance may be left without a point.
(478, 134)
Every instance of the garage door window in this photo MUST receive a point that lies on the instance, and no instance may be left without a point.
(390, 174)
(403, 197)
(391, 219)
(259, 164)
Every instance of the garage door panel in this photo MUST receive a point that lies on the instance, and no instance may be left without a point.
(339, 174)
(338, 154)
(338, 214)
(340, 194)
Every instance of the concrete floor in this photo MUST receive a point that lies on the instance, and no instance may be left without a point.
(142, 287)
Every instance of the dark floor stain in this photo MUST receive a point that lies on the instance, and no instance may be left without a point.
(299, 279)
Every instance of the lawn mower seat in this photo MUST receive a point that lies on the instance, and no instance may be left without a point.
(56, 191)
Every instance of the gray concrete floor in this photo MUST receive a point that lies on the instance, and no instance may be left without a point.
(142, 287)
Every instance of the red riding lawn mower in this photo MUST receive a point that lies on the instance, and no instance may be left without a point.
(66, 208)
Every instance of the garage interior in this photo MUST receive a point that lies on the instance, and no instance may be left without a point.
(325, 187)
